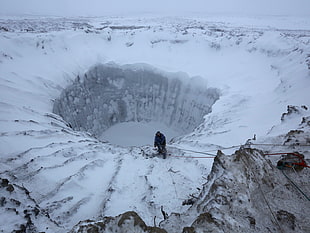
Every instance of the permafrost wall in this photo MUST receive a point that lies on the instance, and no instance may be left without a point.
(110, 94)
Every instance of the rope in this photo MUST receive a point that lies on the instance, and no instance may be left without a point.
(206, 152)
(284, 153)
(262, 144)
(212, 155)
(296, 186)
(237, 146)
(231, 147)
(192, 157)
(197, 152)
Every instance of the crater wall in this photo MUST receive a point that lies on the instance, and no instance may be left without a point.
(109, 94)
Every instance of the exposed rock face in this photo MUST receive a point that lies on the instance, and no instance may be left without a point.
(293, 110)
(110, 94)
(246, 193)
(301, 135)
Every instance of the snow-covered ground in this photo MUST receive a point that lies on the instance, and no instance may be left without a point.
(259, 65)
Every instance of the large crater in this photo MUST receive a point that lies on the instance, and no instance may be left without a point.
(109, 94)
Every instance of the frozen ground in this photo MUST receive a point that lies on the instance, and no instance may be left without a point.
(259, 66)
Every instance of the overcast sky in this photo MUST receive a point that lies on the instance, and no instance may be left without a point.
(116, 7)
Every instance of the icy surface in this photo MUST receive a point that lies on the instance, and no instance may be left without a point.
(137, 133)
(259, 65)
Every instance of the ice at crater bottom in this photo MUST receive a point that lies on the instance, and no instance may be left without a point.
(136, 133)
(109, 94)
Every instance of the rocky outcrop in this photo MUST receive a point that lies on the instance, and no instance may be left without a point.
(126, 222)
(245, 192)
(293, 110)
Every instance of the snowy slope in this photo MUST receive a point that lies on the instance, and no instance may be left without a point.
(259, 68)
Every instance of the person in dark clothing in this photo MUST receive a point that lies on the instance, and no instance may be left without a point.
(160, 143)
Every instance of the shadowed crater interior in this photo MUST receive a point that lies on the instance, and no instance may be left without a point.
(109, 94)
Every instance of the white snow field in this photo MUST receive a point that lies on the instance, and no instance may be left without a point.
(76, 140)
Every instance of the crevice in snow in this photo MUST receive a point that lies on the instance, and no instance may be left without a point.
(109, 94)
